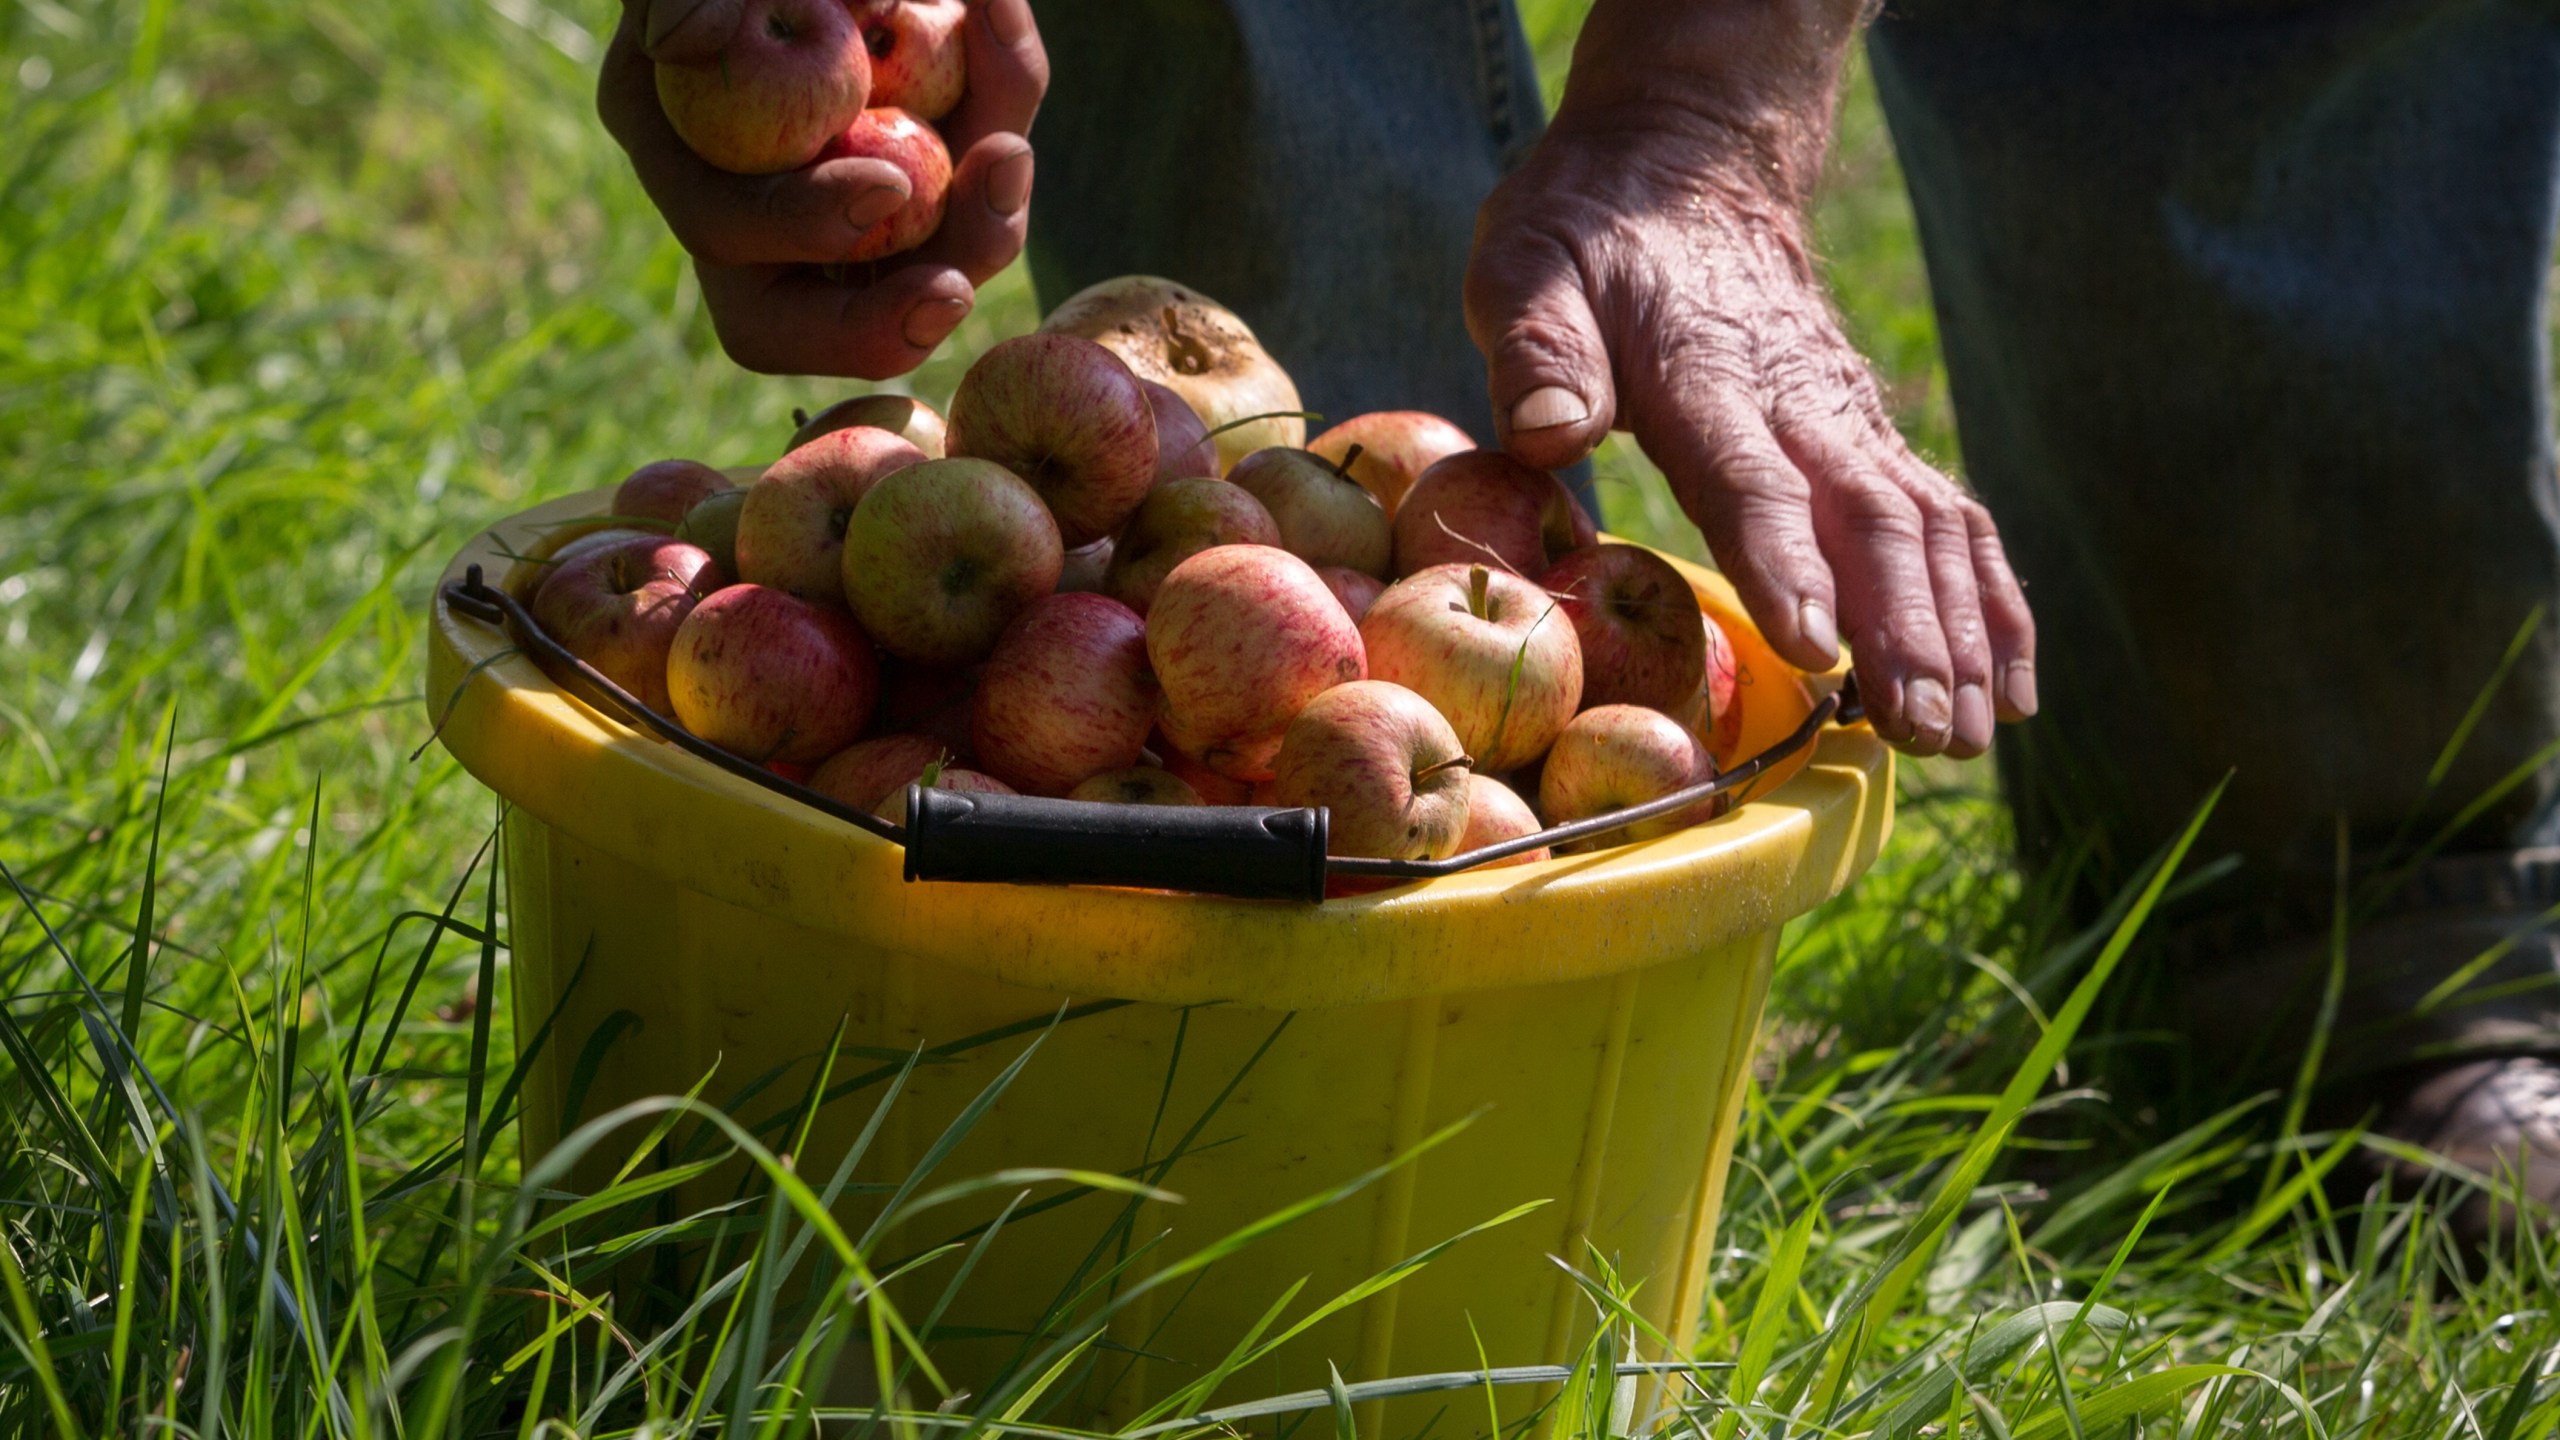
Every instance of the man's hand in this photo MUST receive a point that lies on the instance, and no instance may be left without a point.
(759, 241)
(1645, 270)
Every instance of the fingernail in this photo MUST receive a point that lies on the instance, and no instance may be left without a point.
(1010, 20)
(931, 322)
(1813, 622)
(1547, 407)
(1009, 184)
(2019, 681)
(1973, 713)
(874, 205)
(1924, 704)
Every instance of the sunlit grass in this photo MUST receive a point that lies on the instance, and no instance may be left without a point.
(299, 297)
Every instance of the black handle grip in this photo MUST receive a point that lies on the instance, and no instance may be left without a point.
(1248, 853)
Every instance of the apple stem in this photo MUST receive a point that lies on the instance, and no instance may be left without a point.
(1350, 457)
(1454, 762)
(799, 417)
(1243, 420)
(1479, 581)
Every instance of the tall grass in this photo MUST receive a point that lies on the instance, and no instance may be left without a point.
(298, 297)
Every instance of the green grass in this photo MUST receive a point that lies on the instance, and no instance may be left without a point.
(301, 295)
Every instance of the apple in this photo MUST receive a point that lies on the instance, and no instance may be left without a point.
(1067, 695)
(1614, 756)
(888, 133)
(1212, 787)
(1495, 813)
(1386, 764)
(1356, 591)
(926, 700)
(939, 558)
(766, 675)
(862, 775)
(1638, 622)
(1482, 505)
(1183, 446)
(1325, 517)
(1494, 652)
(1723, 728)
(1138, 785)
(713, 525)
(791, 530)
(1085, 570)
(1068, 417)
(904, 416)
(1176, 521)
(794, 74)
(893, 806)
(569, 541)
(1198, 348)
(1387, 450)
(1714, 710)
(665, 490)
(918, 59)
(618, 606)
(1242, 637)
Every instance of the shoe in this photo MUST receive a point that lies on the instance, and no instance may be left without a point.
(2499, 1120)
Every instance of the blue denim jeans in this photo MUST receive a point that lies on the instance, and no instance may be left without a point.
(1314, 164)
(2241, 302)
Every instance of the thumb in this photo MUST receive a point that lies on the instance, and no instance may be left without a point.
(1547, 368)
(681, 32)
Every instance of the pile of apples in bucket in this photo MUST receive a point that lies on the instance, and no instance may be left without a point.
(1120, 572)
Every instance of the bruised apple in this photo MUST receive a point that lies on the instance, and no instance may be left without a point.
(793, 74)
(1198, 348)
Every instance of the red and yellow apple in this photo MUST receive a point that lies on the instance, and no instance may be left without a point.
(768, 676)
(1242, 637)
(1066, 696)
(939, 558)
(794, 74)
(1385, 763)
(1492, 651)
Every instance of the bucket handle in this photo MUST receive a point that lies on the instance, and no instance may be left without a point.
(1240, 851)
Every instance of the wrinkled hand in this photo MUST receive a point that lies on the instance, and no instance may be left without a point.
(1645, 276)
(759, 241)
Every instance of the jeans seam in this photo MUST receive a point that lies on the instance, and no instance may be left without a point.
(1494, 24)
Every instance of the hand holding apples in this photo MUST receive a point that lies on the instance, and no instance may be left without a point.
(758, 241)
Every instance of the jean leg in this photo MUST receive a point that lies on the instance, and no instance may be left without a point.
(1314, 164)
(2243, 319)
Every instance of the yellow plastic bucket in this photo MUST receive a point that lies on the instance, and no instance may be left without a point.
(1594, 1014)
